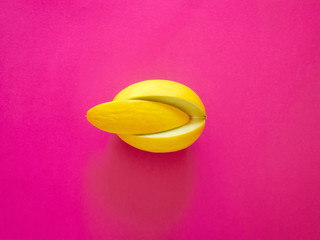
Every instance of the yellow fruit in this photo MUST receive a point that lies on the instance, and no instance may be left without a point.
(153, 115)
(136, 117)
(169, 141)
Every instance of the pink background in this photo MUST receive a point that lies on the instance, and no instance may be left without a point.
(254, 172)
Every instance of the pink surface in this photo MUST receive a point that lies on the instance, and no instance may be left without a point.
(253, 174)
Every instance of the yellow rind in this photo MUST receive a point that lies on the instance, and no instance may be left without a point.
(151, 143)
(136, 117)
(149, 89)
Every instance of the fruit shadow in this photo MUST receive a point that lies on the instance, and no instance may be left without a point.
(145, 191)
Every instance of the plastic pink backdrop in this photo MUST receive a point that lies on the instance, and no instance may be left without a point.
(254, 172)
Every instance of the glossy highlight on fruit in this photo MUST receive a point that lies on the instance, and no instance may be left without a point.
(153, 115)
